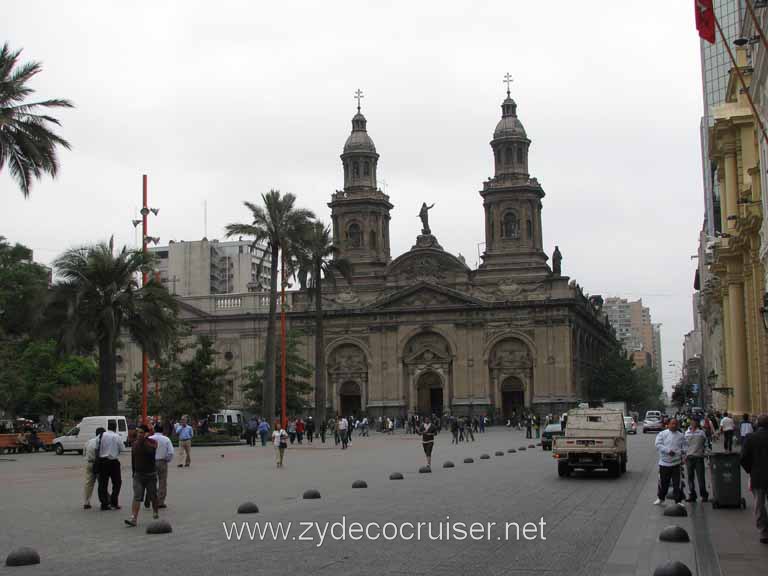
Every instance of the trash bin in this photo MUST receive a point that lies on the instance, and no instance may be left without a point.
(725, 480)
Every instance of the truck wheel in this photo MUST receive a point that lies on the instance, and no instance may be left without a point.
(80, 452)
(624, 465)
(614, 469)
(59, 449)
(563, 470)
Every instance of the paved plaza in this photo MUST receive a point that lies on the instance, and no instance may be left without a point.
(594, 524)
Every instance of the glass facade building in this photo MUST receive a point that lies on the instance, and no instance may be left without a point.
(715, 65)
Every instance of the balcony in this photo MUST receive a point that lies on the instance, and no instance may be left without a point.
(233, 304)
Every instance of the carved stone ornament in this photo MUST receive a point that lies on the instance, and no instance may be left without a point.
(346, 298)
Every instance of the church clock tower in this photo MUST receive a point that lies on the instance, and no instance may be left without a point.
(360, 212)
(512, 204)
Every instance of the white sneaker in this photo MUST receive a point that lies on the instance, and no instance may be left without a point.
(658, 502)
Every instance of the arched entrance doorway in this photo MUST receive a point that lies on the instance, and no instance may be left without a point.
(350, 399)
(512, 397)
(429, 389)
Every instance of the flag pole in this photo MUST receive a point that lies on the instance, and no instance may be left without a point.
(741, 77)
(757, 24)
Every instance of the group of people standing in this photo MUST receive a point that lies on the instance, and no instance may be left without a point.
(151, 454)
(689, 449)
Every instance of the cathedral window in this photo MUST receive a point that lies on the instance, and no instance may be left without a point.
(353, 235)
(372, 241)
(519, 155)
(355, 169)
(366, 169)
(529, 229)
(510, 225)
(508, 155)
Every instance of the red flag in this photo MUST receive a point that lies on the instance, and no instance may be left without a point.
(705, 20)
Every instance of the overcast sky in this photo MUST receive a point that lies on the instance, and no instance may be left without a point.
(221, 101)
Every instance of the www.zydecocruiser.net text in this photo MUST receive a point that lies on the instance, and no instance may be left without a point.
(443, 530)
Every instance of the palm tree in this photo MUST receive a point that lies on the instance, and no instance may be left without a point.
(319, 261)
(27, 144)
(99, 297)
(279, 225)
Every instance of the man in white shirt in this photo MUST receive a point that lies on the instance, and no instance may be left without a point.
(90, 470)
(110, 446)
(727, 426)
(671, 445)
(163, 457)
(343, 427)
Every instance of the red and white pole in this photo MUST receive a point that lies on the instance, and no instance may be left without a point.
(144, 279)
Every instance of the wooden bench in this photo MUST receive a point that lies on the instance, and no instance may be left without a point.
(9, 445)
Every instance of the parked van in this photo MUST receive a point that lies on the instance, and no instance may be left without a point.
(75, 439)
(226, 417)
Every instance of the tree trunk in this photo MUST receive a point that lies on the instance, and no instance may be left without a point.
(107, 391)
(270, 354)
(320, 375)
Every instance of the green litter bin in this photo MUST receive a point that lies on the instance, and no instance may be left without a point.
(725, 479)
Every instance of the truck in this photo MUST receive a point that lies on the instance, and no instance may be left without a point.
(595, 438)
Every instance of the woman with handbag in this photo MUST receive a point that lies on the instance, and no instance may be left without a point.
(280, 440)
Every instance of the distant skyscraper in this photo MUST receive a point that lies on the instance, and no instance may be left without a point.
(715, 65)
(633, 326)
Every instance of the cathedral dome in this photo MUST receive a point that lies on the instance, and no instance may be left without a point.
(509, 126)
(359, 141)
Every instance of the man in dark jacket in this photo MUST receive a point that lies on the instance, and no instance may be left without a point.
(144, 473)
(754, 460)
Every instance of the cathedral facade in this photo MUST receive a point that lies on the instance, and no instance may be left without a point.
(422, 332)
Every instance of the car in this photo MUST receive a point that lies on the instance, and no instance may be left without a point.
(630, 425)
(76, 439)
(652, 425)
(548, 435)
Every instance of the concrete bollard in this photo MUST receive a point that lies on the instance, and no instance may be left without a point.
(359, 484)
(23, 556)
(672, 569)
(674, 534)
(247, 508)
(448, 464)
(159, 527)
(395, 476)
(311, 494)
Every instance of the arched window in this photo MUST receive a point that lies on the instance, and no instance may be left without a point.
(529, 229)
(366, 168)
(510, 225)
(498, 156)
(520, 155)
(353, 235)
(355, 168)
(508, 156)
(372, 240)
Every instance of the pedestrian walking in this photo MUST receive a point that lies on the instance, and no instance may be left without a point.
(745, 429)
(428, 439)
(528, 427)
(310, 428)
(263, 432)
(280, 441)
(91, 471)
(252, 429)
(754, 460)
(184, 432)
(696, 443)
(163, 456)
(323, 426)
(144, 473)
(343, 427)
(670, 444)
(470, 434)
(110, 446)
(727, 426)
(537, 423)
(292, 430)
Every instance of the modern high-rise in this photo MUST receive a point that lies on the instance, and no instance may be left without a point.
(205, 267)
(632, 323)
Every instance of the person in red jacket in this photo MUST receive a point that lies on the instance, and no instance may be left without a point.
(300, 430)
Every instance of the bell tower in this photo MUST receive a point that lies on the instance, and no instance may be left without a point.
(512, 202)
(360, 212)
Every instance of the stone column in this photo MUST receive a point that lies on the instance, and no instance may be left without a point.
(738, 374)
(730, 195)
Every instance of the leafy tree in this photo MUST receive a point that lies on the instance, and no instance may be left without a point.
(615, 379)
(298, 388)
(99, 297)
(23, 287)
(280, 225)
(76, 402)
(199, 388)
(27, 142)
(36, 380)
(319, 262)
(133, 402)
(681, 393)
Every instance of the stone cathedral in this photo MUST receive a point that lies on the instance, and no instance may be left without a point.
(422, 332)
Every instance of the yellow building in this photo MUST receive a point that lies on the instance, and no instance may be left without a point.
(736, 255)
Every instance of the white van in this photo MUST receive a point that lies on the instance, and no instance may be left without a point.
(226, 417)
(75, 439)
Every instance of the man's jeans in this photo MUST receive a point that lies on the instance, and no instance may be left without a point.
(761, 516)
(669, 474)
(694, 467)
